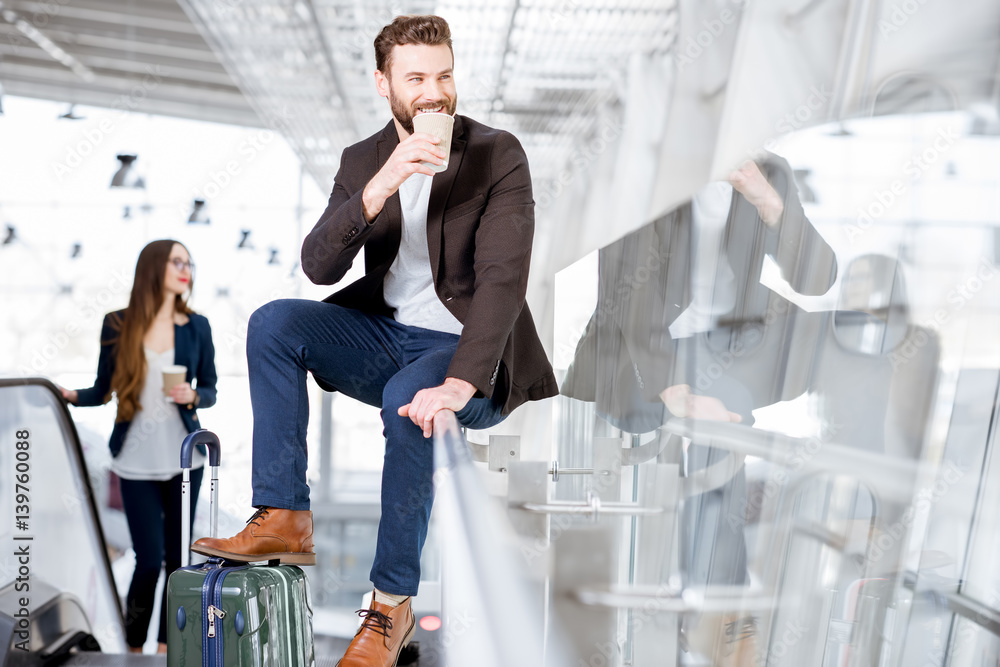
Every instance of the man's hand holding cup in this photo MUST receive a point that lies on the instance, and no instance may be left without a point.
(413, 155)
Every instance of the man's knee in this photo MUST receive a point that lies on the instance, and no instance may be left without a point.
(272, 320)
(396, 394)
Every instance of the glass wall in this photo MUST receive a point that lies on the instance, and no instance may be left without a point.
(804, 355)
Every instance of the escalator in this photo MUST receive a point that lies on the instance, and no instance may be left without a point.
(57, 592)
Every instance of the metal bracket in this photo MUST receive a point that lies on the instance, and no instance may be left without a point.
(501, 450)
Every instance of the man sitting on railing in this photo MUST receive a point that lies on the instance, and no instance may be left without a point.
(437, 322)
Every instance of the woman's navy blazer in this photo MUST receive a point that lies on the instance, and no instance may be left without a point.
(192, 348)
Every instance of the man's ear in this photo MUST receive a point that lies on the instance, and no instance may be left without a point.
(381, 83)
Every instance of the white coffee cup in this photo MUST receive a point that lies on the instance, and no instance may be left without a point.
(172, 376)
(440, 125)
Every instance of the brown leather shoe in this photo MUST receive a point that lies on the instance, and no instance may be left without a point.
(271, 534)
(382, 635)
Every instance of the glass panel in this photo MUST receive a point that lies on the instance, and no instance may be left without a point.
(807, 358)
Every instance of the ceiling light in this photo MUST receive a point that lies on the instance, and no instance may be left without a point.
(244, 243)
(199, 215)
(71, 114)
(274, 257)
(10, 235)
(75, 252)
(127, 176)
(985, 120)
(840, 131)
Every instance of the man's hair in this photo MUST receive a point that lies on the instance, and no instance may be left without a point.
(428, 30)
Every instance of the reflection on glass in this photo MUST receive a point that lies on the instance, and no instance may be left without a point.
(828, 368)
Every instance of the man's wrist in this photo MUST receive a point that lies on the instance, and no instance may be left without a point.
(771, 212)
(466, 388)
(371, 204)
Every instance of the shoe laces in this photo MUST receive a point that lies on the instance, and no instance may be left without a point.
(259, 513)
(375, 621)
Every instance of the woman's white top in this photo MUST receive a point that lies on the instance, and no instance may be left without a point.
(152, 447)
(713, 283)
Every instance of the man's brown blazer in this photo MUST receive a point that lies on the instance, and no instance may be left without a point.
(480, 225)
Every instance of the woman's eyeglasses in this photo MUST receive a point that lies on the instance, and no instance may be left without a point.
(180, 264)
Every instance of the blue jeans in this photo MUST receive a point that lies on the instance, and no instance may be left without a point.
(377, 361)
(153, 511)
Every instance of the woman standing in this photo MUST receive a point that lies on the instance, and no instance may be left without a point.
(157, 329)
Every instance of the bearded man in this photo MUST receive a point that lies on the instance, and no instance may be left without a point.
(437, 322)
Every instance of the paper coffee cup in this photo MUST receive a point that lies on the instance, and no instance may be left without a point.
(172, 376)
(440, 125)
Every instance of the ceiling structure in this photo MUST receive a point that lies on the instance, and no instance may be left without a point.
(134, 55)
(547, 70)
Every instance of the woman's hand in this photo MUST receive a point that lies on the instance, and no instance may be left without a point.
(752, 184)
(682, 403)
(183, 394)
(69, 394)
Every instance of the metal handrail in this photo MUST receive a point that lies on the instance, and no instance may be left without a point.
(895, 478)
(513, 627)
(671, 599)
(592, 506)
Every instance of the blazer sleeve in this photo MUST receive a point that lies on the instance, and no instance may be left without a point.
(206, 374)
(330, 248)
(806, 260)
(501, 260)
(100, 392)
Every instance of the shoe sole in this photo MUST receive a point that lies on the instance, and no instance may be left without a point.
(283, 557)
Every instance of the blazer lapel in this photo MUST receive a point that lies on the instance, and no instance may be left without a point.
(440, 190)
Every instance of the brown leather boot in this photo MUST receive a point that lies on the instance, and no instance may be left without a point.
(382, 635)
(271, 534)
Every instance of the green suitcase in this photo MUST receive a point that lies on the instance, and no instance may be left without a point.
(224, 614)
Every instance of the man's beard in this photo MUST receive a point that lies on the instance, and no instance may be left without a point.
(405, 114)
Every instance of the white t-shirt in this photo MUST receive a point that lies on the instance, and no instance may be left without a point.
(152, 447)
(713, 284)
(409, 285)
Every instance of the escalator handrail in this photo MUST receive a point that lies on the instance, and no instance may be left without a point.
(75, 450)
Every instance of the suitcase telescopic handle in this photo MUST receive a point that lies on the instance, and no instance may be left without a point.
(199, 437)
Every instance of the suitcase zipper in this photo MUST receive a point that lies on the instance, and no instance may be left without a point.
(208, 588)
(214, 613)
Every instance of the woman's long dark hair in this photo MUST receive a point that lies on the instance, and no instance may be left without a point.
(146, 298)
